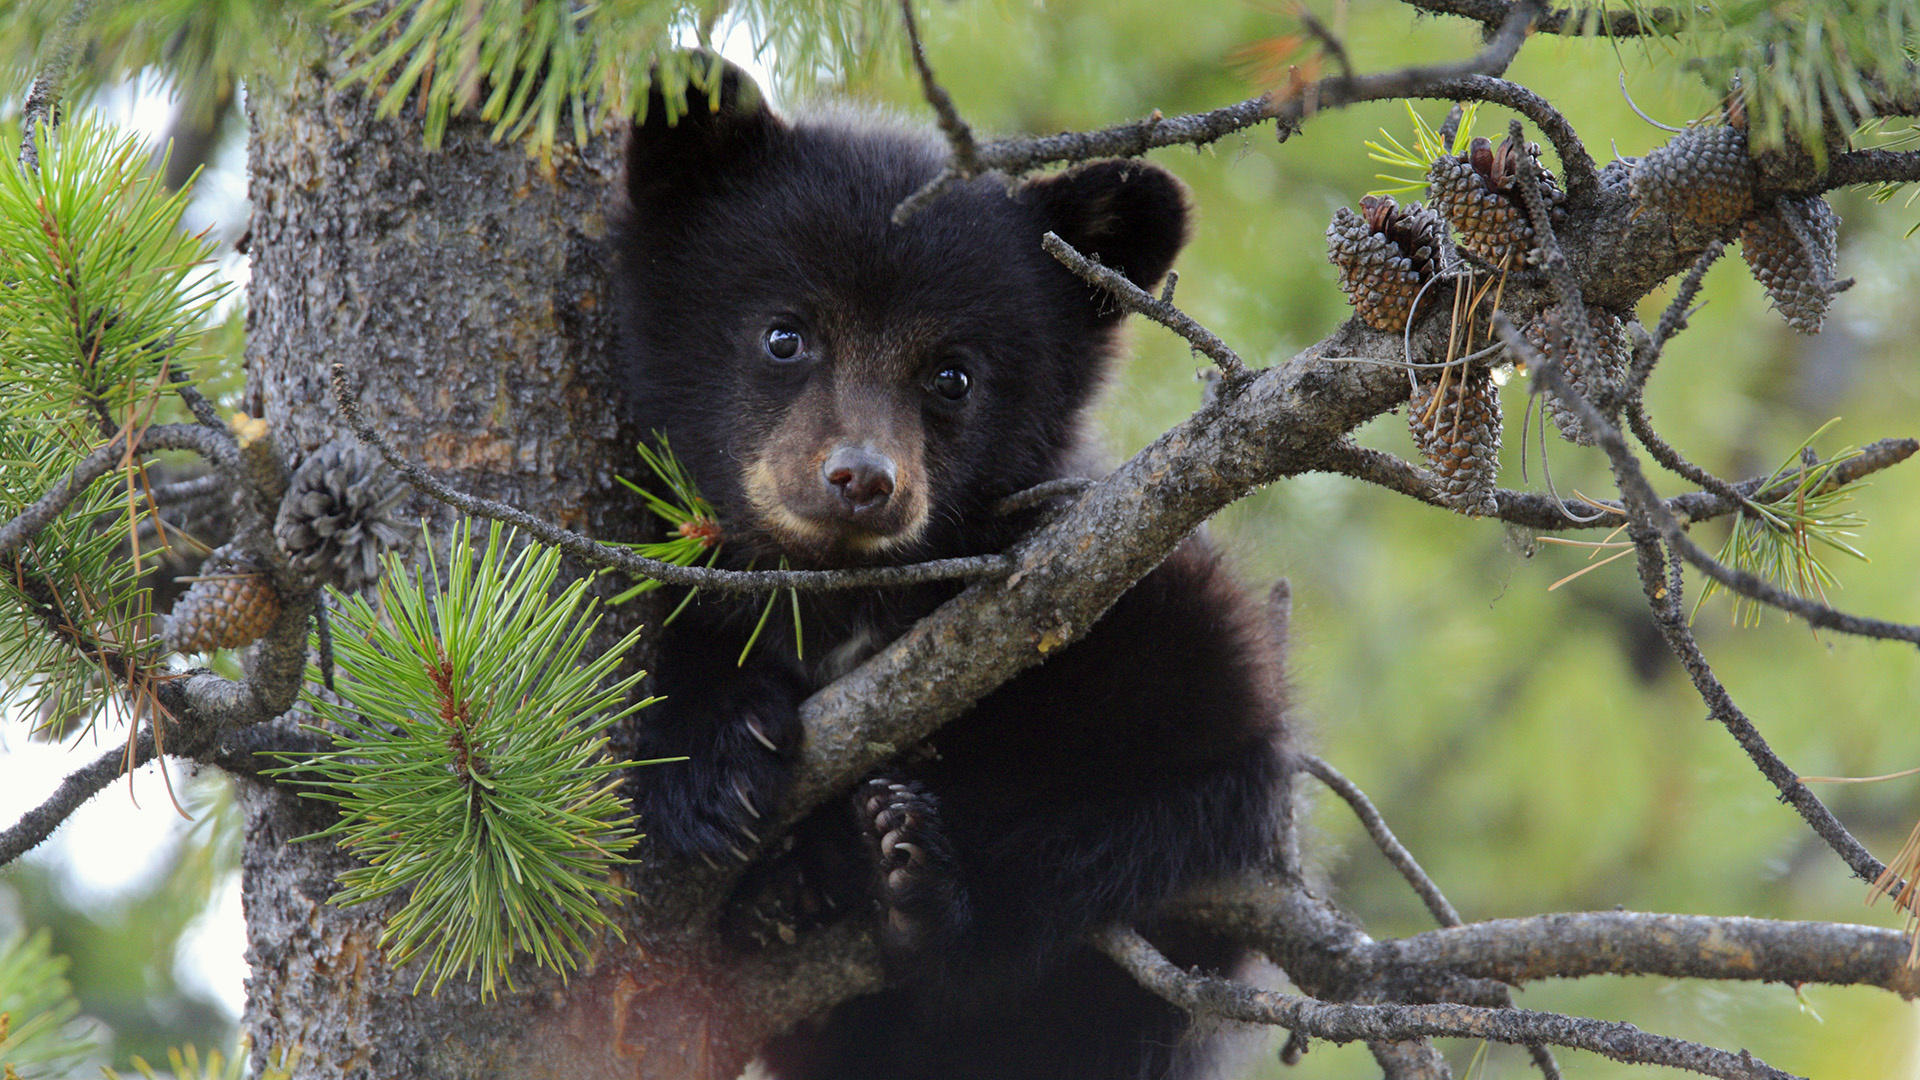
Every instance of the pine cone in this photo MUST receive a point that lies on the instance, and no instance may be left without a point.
(1550, 335)
(1384, 254)
(1791, 249)
(1703, 173)
(1476, 192)
(231, 605)
(1460, 435)
(1618, 174)
(339, 515)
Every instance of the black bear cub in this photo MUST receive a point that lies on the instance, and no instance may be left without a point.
(847, 391)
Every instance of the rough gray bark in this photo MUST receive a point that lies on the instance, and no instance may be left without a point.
(465, 289)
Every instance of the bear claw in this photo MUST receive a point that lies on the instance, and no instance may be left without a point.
(914, 869)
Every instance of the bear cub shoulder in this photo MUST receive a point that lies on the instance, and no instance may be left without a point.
(849, 391)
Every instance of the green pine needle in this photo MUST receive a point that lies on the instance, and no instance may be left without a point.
(1427, 148)
(469, 763)
(36, 1005)
(1783, 539)
(183, 1063)
(698, 536)
(101, 285)
(696, 527)
(103, 295)
(533, 67)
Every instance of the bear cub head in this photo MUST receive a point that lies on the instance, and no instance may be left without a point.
(844, 389)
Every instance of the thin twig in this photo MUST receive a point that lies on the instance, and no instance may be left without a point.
(1580, 173)
(1443, 911)
(43, 97)
(1651, 524)
(180, 491)
(1132, 297)
(975, 568)
(1213, 996)
(1383, 838)
(202, 409)
(1330, 42)
(1336, 91)
(80, 785)
(1045, 491)
(27, 523)
(1640, 499)
(1673, 320)
(959, 135)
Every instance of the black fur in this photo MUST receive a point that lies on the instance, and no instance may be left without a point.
(1141, 759)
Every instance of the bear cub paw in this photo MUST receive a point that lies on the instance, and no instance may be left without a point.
(712, 805)
(917, 879)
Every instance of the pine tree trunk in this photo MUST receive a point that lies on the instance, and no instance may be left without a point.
(464, 288)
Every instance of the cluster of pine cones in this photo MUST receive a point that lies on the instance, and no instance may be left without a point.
(1388, 255)
(340, 513)
(1705, 173)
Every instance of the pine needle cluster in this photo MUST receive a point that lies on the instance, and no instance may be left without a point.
(101, 294)
(1782, 539)
(529, 67)
(183, 1063)
(36, 1007)
(696, 538)
(470, 764)
(1428, 147)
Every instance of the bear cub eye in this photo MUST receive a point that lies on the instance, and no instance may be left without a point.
(784, 343)
(951, 383)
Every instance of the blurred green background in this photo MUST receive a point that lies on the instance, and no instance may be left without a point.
(1538, 751)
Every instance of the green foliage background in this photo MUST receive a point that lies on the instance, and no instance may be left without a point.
(1537, 750)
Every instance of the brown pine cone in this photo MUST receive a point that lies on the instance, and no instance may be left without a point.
(1703, 173)
(1459, 434)
(1476, 192)
(1791, 249)
(1384, 254)
(1549, 334)
(231, 605)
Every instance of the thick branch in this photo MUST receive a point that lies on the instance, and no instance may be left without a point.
(1579, 944)
(1577, 20)
(1212, 996)
(1069, 571)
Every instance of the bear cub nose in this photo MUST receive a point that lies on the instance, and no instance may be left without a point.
(863, 478)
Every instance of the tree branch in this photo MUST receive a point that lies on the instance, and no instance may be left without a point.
(618, 558)
(1581, 175)
(1579, 944)
(216, 447)
(43, 97)
(1212, 996)
(1134, 298)
(1650, 523)
(80, 785)
(1383, 838)
(1336, 91)
(1596, 21)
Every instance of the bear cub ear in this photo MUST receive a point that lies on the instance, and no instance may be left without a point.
(1130, 215)
(723, 119)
